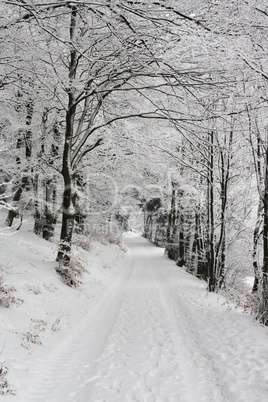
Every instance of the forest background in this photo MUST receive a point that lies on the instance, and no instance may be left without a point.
(148, 115)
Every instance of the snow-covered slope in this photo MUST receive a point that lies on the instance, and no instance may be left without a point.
(138, 329)
(51, 311)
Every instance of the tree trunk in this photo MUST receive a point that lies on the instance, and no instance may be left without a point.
(67, 227)
(147, 225)
(171, 226)
(181, 246)
(197, 254)
(49, 213)
(264, 301)
(211, 240)
(13, 213)
(38, 221)
(69, 200)
(256, 236)
(69, 195)
(25, 182)
(259, 221)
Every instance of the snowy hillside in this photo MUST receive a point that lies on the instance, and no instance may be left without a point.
(137, 329)
(45, 311)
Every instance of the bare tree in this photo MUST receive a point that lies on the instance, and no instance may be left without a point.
(89, 55)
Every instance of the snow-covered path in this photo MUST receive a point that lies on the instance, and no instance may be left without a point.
(156, 336)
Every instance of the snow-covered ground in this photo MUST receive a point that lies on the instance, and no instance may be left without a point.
(138, 329)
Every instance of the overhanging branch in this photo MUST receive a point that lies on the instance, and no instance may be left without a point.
(77, 159)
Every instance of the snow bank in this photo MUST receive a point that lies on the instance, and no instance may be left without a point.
(50, 310)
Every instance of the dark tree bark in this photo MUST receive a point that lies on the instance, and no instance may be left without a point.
(49, 210)
(69, 195)
(211, 238)
(264, 301)
(256, 237)
(259, 221)
(171, 249)
(221, 245)
(198, 251)
(181, 241)
(38, 216)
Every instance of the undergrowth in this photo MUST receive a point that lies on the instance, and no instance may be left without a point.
(72, 273)
(5, 388)
(248, 302)
(6, 295)
(81, 241)
(33, 335)
(102, 236)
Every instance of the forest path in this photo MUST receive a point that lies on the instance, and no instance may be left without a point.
(155, 336)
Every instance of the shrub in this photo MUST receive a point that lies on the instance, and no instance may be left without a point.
(6, 295)
(81, 241)
(71, 273)
(4, 384)
(103, 236)
(33, 335)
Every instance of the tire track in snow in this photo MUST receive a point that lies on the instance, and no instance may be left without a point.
(173, 364)
(142, 362)
(143, 342)
(202, 372)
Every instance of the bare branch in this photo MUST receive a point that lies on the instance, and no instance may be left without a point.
(79, 157)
